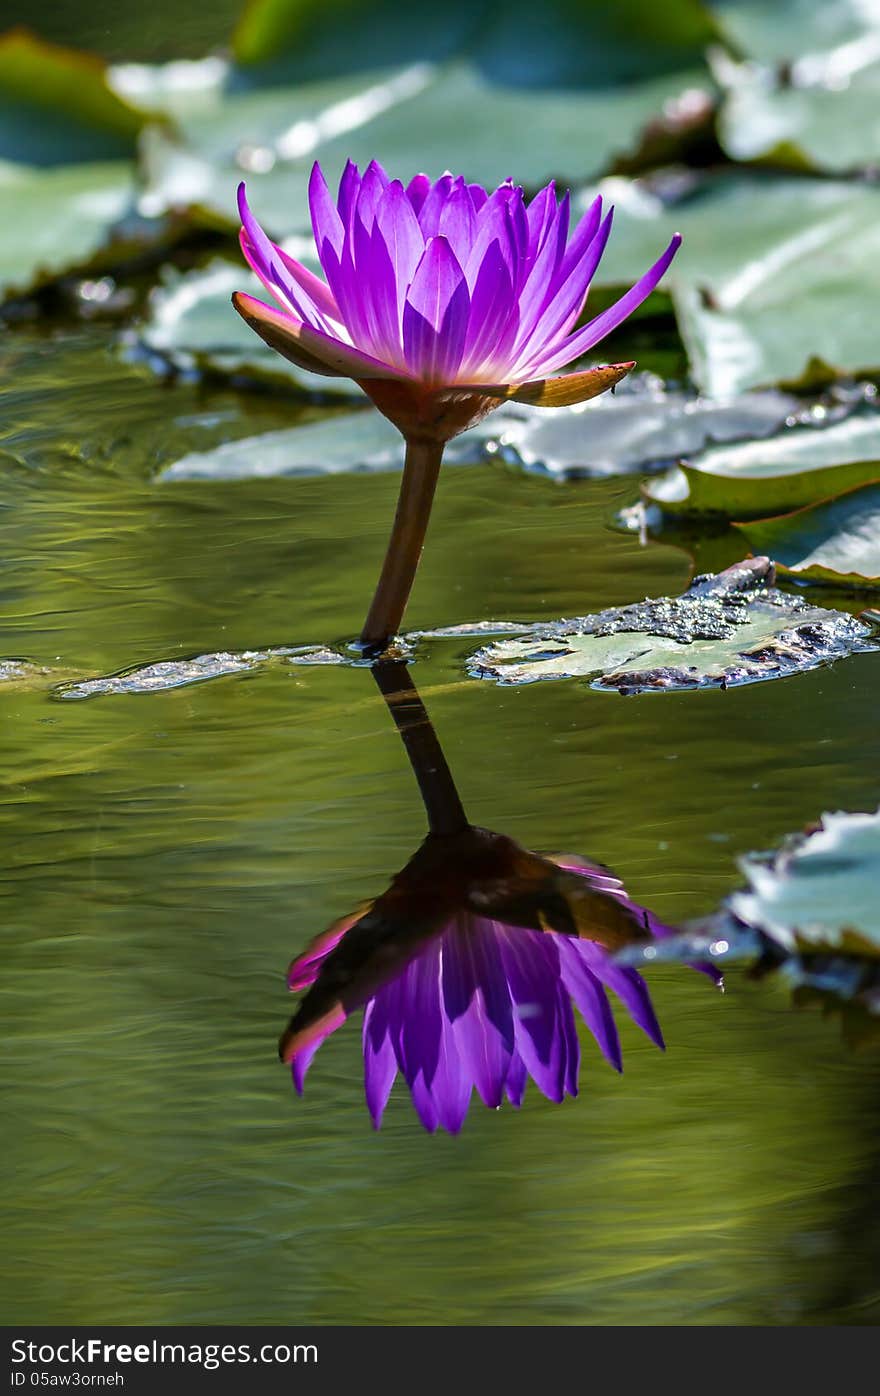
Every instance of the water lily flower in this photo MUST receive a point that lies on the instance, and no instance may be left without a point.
(467, 968)
(442, 301)
(468, 965)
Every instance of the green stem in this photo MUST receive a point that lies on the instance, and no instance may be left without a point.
(420, 471)
(441, 799)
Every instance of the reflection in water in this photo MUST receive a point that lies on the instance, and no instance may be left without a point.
(468, 965)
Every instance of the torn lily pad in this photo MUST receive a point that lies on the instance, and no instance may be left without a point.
(837, 541)
(757, 479)
(729, 629)
(820, 891)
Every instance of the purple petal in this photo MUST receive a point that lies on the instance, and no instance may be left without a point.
(478, 196)
(628, 985)
(349, 188)
(421, 1026)
(398, 228)
(540, 213)
(417, 191)
(476, 999)
(493, 227)
(603, 324)
(301, 1059)
(327, 226)
(562, 309)
(580, 240)
(435, 316)
(373, 186)
(380, 1065)
(458, 223)
(304, 969)
(432, 208)
(326, 353)
(531, 962)
(274, 270)
(517, 1078)
(493, 319)
(591, 1000)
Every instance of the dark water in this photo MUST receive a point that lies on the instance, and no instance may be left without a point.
(165, 854)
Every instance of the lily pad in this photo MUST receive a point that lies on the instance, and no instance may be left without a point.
(820, 891)
(781, 299)
(809, 94)
(56, 106)
(837, 541)
(756, 479)
(460, 88)
(167, 674)
(192, 325)
(730, 629)
(63, 220)
(613, 435)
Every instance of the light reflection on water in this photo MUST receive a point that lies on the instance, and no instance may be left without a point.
(165, 852)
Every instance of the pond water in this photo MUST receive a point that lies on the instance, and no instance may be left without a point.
(166, 854)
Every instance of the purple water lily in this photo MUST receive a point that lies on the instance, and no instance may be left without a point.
(441, 300)
(468, 965)
(467, 969)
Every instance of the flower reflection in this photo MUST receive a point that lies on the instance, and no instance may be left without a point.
(470, 965)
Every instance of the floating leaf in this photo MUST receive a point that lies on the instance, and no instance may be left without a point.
(56, 106)
(167, 674)
(781, 299)
(342, 442)
(809, 94)
(755, 479)
(837, 541)
(820, 890)
(640, 427)
(726, 630)
(62, 220)
(422, 90)
(192, 324)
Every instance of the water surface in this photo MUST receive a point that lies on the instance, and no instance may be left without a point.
(166, 854)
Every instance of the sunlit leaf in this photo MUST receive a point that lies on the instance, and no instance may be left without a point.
(809, 94)
(836, 541)
(770, 283)
(192, 324)
(726, 630)
(62, 221)
(820, 890)
(756, 479)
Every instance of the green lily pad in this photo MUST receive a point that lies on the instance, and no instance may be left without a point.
(56, 106)
(769, 286)
(63, 220)
(820, 891)
(756, 479)
(426, 90)
(192, 324)
(788, 29)
(837, 541)
(726, 630)
(611, 435)
(809, 96)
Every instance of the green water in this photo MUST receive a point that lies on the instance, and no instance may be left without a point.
(165, 854)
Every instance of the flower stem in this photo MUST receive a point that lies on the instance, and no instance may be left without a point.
(441, 799)
(420, 470)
